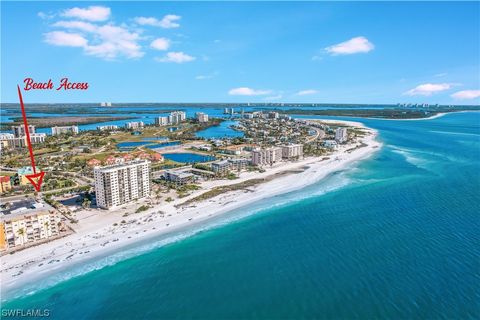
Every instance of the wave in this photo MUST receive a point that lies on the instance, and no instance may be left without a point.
(411, 157)
(456, 133)
(424, 158)
(333, 182)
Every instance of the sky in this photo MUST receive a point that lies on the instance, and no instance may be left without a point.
(306, 52)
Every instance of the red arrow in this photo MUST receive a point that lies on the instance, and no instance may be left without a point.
(35, 179)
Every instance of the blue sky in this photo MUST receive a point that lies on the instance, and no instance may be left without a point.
(335, 52)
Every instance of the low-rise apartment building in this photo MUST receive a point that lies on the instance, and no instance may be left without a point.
(27, 225)
(178, 177)
(221, 167)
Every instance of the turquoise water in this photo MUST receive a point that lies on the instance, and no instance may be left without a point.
(188, 157)
(164, 144)
(221, 131)
(394, 237)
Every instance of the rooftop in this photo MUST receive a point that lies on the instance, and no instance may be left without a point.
(25, 170)
(22, 208)
(121, 165)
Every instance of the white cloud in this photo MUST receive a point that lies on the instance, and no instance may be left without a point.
(427, 89)
(92, 13)
(115, 41)
(60, 38)
(439, 75)
(466, 94)
(244, 91)
(160, 44)
(176, 57)
(316, 58)
(306, 92)
(168, 22)
(354, 45)
(206, 76)
(80, 25)
(276, 97)
(45, 16)
(106, 41)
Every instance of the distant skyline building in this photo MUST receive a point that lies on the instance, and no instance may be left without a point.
(122, 183)
(228, 111)
(107, 128)
(176, 117)
(161, 121)
(341, 135)
(134, 125)
(201, 117)
(64, 130)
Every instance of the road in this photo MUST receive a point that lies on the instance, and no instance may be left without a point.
(319, 134)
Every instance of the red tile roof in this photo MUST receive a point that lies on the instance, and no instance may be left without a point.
(4, 179)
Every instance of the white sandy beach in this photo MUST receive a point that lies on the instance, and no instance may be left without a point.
(96, 237)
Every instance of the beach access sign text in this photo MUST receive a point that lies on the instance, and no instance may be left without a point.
(64, 84)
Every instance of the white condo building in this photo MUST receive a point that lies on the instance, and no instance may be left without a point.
(266, 156)
(19, 131)
(119, 184)
(341, 135)
(292, 151)
(62, 130)
(134, 125)
(177, 117)
(18, 138)
(107, 128)
(37, 138)
(201, 117)
(161, 121)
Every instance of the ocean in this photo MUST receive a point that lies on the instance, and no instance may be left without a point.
(393, 237)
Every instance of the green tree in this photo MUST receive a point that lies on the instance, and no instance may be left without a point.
(21, 233)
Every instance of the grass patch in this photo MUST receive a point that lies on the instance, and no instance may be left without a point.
(219, 190)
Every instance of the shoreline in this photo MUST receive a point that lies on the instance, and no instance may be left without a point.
(435, 116)
(97, 238)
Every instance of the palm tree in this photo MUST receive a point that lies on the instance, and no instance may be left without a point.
(21, 233)
(46, 224)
